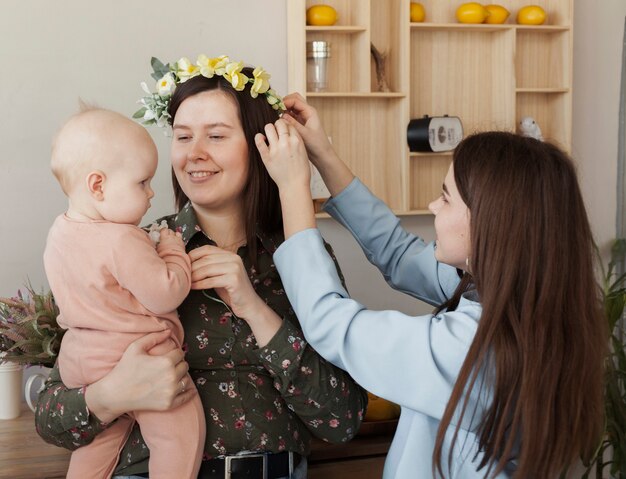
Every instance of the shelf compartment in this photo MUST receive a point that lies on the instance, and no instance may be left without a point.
(559, 11)
(551, 111)
(348, 65)
(388, 31)
(542, 61)
(426, 174)
(375, 150)
(349, 13)
(464, 74)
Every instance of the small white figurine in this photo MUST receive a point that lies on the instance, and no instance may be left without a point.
(529, 127)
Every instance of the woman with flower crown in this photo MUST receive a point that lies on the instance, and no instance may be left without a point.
(264, 390)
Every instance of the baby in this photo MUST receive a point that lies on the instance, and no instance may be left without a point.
(113, 286)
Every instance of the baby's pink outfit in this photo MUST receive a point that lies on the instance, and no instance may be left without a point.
(112, 287)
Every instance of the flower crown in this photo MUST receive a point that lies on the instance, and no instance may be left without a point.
(153, 109)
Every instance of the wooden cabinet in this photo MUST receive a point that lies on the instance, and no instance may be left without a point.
(490, 76)
(363, 457)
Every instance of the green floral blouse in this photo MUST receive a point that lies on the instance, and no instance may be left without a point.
(269, 399)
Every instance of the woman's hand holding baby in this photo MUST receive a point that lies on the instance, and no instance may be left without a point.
(147, 377)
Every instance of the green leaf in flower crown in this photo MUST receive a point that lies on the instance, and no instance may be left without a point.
(139, 113)
(159, 68)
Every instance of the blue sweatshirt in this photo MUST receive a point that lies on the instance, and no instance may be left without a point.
(410, 360)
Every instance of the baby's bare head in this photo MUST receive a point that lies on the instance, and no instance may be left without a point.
(93, 139)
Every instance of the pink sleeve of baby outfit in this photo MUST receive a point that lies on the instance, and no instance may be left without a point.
(160, 279)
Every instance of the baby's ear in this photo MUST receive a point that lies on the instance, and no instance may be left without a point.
(95, 184)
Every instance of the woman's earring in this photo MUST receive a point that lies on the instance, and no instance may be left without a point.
(467, 264)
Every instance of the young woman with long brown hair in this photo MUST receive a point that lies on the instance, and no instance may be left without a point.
(505, 378)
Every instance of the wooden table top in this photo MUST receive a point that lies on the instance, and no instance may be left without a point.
(24, 455)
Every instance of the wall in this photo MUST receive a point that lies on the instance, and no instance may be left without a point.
(598, 40)
(53, 52)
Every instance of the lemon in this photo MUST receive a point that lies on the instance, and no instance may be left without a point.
(379, 409)
(418, 14)
(321, 15)
(531, 15)
(471, 12)
(497, 14)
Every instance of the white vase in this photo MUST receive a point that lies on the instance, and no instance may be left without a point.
(35, 383)
(10, 389)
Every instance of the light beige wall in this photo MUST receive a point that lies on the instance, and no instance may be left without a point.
(598, 40)
(53, 52)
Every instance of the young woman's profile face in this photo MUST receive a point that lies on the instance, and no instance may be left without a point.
(452, 224)
(209, 151)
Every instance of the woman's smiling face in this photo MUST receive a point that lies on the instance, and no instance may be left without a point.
(452, 224)
(209, 151)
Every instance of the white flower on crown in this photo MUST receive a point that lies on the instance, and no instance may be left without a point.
(166, 85)
(154, 105)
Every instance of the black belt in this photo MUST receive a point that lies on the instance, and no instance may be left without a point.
(250, 466)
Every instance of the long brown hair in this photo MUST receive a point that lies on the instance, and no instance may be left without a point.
(261, 202)
(542, 326)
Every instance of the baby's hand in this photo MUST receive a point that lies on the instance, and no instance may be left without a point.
(170, 238)
(153, 231)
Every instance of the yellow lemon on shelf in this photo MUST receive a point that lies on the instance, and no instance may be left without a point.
(531, 15)
(321, 15)
(418, 14)
(471, 12)
(497, 14)
(379, 409)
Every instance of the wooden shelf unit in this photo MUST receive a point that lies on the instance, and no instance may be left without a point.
(490, 76)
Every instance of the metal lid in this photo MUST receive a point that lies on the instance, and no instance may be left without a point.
(317, 49)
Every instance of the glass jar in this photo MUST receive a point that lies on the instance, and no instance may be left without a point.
(317, 55)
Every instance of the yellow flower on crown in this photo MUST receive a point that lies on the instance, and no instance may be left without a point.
(233, 74)
(212, 66)
(261, 82)
(154, 106)
(186, 70)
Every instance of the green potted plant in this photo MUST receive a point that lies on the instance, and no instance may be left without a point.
(29, 332)
(611, 454)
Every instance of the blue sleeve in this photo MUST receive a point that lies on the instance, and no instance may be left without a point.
(413, 361)
(407, 263)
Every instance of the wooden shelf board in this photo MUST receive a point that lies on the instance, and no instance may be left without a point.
(417, 154)
(542, 90)
(347, 29)
(485, 27)
(395, 212)
(482, 27)
(356, 94)
(543, 28)
(412, 212)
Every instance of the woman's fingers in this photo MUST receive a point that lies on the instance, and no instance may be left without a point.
(149, 341)
(271, 134)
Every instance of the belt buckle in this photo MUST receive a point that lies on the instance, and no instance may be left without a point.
(229, 459)
(290, 463)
